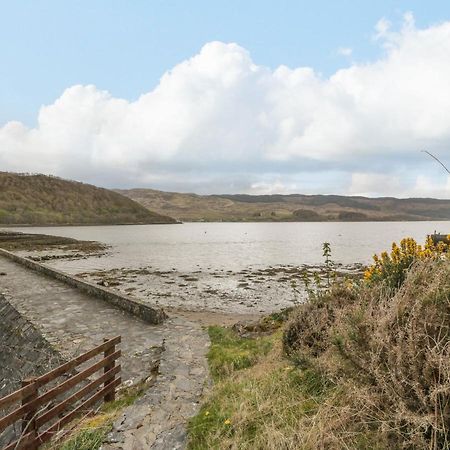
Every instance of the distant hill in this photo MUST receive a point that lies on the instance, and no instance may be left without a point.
(288, 208)
(45, 200)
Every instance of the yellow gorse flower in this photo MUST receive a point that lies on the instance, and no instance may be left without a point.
(404, 254)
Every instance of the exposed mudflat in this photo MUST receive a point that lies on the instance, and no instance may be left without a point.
(214, 296)
(248, 291)
(251, 291)
(50, 246)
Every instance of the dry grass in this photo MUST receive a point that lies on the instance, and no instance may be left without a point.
(273, 405)
(260, 407)
(361, 368)
(391, 351)
(90, 432)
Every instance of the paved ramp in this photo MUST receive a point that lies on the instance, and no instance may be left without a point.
(75, 322)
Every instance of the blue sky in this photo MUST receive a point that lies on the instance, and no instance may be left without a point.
(125, 46)
(228, 96)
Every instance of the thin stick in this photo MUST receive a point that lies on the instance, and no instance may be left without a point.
(440, 162)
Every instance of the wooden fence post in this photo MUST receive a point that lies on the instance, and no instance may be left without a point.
(31, 416)
(110, 396)
(29, 420)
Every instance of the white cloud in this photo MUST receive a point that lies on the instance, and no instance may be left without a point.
(382, 28)
(370, 184)
(345, 51)
(428, 187)
(276, 187)
(218, 119)
(378, 184)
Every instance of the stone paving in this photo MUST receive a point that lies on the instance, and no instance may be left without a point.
(74, 322)
(157, 420)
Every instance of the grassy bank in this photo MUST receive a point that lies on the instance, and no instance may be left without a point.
(361, 366)
(259, 397)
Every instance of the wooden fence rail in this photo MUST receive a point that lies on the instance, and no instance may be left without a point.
(38, 409)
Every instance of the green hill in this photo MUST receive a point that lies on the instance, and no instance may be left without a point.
(288, 208)
(46, 200)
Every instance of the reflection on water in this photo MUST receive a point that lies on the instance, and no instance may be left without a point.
(234, 246)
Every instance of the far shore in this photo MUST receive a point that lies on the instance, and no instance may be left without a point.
(181, 222)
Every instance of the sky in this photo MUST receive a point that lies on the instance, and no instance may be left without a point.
(231, 96)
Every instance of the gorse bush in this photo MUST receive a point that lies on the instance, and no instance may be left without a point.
(361, 365)
(308, 333)
(388, 353)
(397, 352)
(392, 267)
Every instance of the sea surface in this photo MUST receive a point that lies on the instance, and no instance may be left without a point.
(236, 246)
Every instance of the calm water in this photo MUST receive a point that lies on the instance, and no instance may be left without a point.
(238, 245)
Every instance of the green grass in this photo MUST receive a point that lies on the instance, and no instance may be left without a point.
(88, 439)
(257, 393)
(244, 410)
(358, 390)
(229, 352)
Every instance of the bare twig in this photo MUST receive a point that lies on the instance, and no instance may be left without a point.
(439, 161)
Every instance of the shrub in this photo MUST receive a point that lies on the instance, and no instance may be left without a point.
(389, 352)
(371, 368)
(398, 349)
(306, 335)
(392, 268)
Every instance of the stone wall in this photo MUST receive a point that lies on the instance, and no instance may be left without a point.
(24, 352)
(131, 305)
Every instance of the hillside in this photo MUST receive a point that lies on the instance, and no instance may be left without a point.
(45, 200)
(295, 207)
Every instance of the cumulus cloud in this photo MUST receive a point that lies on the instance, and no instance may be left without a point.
(220, 122)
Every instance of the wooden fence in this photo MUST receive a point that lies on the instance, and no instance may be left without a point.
(38, 409)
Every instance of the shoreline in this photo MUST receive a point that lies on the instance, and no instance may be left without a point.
(206, 295)
(181, 222)
(211, 318)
